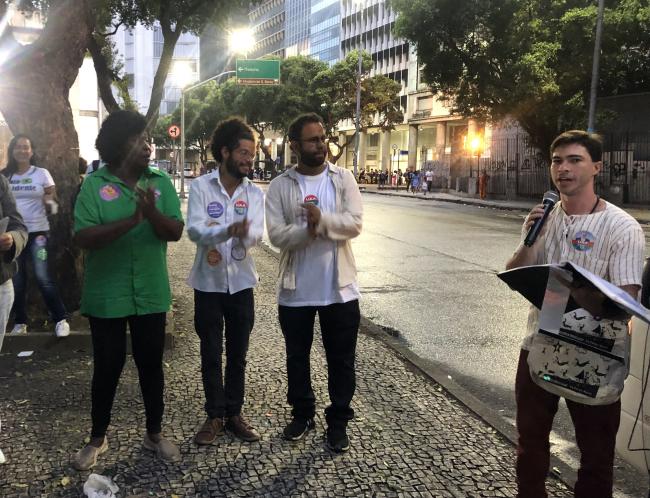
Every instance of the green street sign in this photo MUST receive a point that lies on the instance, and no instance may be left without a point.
(258, 72)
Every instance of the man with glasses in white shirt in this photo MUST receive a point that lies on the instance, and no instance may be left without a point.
(313, 211)
(225, 219)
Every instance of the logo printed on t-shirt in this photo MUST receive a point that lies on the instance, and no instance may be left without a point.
(26, 181)
(241, 207)
(109, 192)
(213, 257)
(311, 199)
(40, 240)
(215, 209)
(583, 241)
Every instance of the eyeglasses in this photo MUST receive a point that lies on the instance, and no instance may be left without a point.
(316, 140)
(244, 154)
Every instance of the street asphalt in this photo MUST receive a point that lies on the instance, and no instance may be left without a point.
(410, 437)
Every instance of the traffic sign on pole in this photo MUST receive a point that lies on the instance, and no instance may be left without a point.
(258, 72)
(174, 131)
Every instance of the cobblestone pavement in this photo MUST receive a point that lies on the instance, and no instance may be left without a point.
(410, 438)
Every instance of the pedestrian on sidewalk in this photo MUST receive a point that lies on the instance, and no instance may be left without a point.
(12, 242)
(225, 218)
(482, 183)
(429, 178)
(125, 214)
(317, 275)
(584, 229)
(33, 189)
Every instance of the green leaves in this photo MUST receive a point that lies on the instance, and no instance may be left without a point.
(531, 60)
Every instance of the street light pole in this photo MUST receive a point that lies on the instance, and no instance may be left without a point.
(595, 67)
(183, 92)
(355, 159)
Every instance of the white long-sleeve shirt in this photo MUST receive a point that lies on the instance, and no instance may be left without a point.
(210, 212)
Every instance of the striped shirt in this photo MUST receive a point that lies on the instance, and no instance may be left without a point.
(609, 243)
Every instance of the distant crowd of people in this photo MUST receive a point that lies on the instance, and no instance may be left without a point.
(418, 181)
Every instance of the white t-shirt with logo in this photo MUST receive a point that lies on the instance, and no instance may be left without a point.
(316, 280)
(29, 189)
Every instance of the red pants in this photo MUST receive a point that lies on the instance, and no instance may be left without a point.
(595, 429)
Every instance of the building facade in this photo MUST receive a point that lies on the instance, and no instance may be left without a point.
(268, 23)
(141, 49)
(325, 31)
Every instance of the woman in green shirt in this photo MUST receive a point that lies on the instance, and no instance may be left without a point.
(125, 214)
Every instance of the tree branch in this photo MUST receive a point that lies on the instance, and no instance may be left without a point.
(116, 26)
(105, 75)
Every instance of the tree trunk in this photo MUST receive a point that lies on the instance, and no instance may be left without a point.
(34, 92)
(170, 38)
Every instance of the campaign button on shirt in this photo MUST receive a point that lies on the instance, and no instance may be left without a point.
(311, 199)
(213, 257)
(215, 209)
(583, 241)
(109, 192)
(241, 207)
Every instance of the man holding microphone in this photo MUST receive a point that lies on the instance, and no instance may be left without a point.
(225, 218)
(600, 237)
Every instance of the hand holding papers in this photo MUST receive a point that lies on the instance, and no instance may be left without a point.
(581, 348)
(531, 282)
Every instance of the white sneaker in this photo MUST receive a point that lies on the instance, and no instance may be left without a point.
(62, 328)
(19, 328)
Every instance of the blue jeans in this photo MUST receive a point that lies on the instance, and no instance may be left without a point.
(37, 254)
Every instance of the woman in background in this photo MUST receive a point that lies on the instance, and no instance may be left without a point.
(33, 189)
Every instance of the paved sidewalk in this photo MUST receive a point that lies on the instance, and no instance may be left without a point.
(410, 437)
(641, 213)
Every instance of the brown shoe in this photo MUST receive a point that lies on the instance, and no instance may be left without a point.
(212, 427)
(242, 429)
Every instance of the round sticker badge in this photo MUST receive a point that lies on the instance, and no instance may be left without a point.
(583, 241)
(109, 192)
(215, 209)
(214, 257)
(241, 207)
(40, 240)
(157, 194)
(311, 199)
(42, 254)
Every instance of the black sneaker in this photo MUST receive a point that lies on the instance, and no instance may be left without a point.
(337, 439)
(297, 428)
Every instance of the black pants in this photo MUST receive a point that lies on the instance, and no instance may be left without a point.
(211, 310)
(339, 325)
(109, 352)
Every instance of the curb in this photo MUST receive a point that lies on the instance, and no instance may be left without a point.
(433, 372)
(78, 340)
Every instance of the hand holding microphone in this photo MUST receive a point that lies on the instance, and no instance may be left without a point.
(537, 217)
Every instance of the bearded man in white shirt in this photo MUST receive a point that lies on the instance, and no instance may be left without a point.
(225, 218)
(313, 210)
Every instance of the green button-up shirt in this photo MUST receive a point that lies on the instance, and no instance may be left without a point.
(129, 275)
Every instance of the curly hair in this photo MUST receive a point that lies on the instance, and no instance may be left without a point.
(115, 132)
(296, 126)
(12, 165)
(228, 133)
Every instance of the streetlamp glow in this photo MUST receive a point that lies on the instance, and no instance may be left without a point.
(241, 41)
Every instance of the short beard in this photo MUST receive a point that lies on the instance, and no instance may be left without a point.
(233, 170)
(310, 160)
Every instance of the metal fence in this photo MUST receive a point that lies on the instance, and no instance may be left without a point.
(626, 168)
(517, 169)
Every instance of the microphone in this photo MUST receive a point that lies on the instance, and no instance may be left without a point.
(550, 198)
